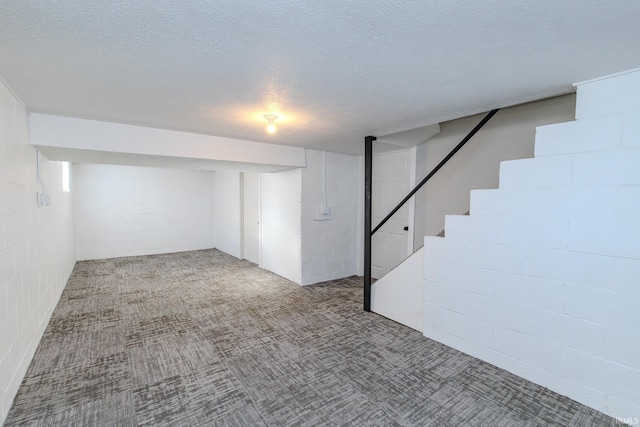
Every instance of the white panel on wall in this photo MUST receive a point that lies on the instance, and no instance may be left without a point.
(37, 250)
(328, 247)
(129, 210)
(280, 214)
(228, 213)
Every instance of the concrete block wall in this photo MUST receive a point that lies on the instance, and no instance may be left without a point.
(133, 210)
(37, 250)
(329, 247)
(543, 278)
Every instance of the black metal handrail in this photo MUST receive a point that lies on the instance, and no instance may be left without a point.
(368, 233)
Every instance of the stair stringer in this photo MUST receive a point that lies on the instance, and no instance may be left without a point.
(398, 295)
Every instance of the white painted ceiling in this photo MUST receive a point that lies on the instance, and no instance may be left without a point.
(333, 70)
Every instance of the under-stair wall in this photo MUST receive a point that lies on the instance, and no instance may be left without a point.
(543, 278)
(398, 294)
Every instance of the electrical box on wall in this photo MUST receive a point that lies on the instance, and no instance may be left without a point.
(43, 200)
(323, 213)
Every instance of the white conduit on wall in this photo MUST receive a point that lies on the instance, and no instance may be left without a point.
(324, 179)
(323, 212)
(43, 197)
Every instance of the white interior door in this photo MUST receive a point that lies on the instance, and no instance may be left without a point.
(251, 217)
(391, 179)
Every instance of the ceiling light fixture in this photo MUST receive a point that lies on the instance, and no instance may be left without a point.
(271, 128)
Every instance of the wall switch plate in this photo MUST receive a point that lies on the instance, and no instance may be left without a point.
(43, 200)
(323, 213)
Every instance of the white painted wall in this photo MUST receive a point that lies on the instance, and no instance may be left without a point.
(91, 141)
(280, 201)
(399, 294)
(543, 278)
(251, 216)
(329, 247)
(37, 252)
(228, 212)
(128, 210)
(509, 135)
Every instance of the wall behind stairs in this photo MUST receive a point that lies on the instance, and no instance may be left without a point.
(135, 210)
(37, 251)
(509, 135)
(543, 278)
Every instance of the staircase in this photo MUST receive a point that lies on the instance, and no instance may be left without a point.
(543, 277)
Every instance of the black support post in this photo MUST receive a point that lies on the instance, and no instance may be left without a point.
(368, 180)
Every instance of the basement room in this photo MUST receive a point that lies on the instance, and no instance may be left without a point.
(308, 214)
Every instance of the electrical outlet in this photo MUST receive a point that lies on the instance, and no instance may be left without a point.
(43, 200)
(323, 213)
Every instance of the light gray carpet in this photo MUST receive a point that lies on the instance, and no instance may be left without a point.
(201, 338)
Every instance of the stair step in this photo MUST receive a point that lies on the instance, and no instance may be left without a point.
(593, 134)
(553, 171)
(477, 228)
(500, 202)
(608, 95)
(441, 233)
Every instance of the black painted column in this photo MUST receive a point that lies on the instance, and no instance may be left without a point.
(368, 163)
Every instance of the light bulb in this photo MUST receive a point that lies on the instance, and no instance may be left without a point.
(271, 128)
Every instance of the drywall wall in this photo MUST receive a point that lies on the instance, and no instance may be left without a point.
(37, 252)
(228, 212)
(280, 201)
(509, 135)
(399, 294)
(129, 210)
(91, 141)
(542, 279)
(251, 216)
(329, 246)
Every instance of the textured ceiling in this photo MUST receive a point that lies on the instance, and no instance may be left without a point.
(334, 71)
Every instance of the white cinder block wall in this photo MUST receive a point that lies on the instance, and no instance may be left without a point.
(329, 247)
(543, 278)
(132, 210)
(37, 251)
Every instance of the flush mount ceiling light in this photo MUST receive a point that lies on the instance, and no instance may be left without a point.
(271, 128)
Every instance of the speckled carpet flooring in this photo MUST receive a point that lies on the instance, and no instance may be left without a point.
(201, 338)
